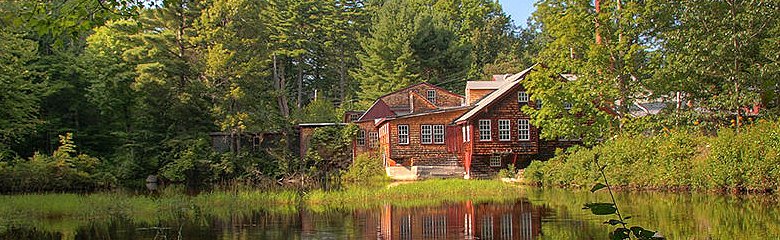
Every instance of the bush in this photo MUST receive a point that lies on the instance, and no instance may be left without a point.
(749, 160)
(365, 167)
(64, 170)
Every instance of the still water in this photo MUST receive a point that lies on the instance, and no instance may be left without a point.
(535, 214)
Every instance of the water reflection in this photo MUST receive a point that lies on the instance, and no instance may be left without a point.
(466, 220)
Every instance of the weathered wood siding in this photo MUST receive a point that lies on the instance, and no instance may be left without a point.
(473, 95)
(444, 98)
(368, 147)
(505, 108)
(415, 152)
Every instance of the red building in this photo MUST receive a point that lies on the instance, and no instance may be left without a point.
(426, 131)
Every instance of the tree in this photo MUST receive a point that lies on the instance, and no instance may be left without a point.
(21, 96)
(607, 48)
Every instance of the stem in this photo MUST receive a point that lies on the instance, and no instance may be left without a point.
(609, 189)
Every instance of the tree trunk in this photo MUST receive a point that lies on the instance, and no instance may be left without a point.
(300, 83)
(279, 86)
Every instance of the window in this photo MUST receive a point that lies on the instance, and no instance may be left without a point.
(503, 130)
(438, 134)
(567, 105)
(403, 134)
(426, 134)
(463, 133)
(361, 137)
(484, 130)
(522, 97)
(353, 117)
(538, 104)
(523, 130)
(495, 161)
(431, 94)
(373, 139)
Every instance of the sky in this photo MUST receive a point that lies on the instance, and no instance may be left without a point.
(519, 10)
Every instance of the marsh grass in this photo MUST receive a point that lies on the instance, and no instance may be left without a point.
(67, 212)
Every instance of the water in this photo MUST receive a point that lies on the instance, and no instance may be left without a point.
(536, 214)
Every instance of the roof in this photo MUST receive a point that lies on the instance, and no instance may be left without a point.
(421, 83)
(411, 115)
(486, 101)
(377, 110)
(492, 85)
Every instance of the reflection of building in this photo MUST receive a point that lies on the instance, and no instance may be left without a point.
(519, 220)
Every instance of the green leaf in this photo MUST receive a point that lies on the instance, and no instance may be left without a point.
(597, 187)
(614, 222)
(641, 233)
(601, 208)
(619, 234)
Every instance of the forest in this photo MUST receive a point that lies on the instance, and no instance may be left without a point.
(99, 94)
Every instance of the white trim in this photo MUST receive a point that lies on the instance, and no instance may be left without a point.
(361, 137)
(428, 95)
(523, 130)
(488, 129)
(438, 135)
(522, 97)
(426, 134)
(494, 159)
(404, 133)
(506, 131)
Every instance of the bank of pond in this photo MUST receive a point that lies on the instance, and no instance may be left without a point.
(481, 209)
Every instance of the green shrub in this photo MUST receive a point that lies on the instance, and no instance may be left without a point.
(365, 167)
(674, 159)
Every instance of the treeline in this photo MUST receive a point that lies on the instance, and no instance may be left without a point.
(140, 84)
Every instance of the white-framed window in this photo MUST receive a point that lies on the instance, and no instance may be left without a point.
(438, 134)
(522, 97)
(466, 133)
(426, 134)
(373, 139)
(484, 130)
(538, 104)
(361, 137)
(403, 134)
(431, 95)
(504, 130)
(523, 130)
(495, 161)
(353, 117)
(567, 105)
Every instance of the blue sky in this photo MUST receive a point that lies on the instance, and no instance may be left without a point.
(520, 10)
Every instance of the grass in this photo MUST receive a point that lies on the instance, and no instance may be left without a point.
(66, 212)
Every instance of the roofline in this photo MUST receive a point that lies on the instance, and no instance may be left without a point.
(423, 114)
(369, 108)
(516, 82)
(420, 83)
(321, 124)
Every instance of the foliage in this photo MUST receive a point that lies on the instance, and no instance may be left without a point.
(674, 160)
(64, 170)
(330, 149)
(366, 167)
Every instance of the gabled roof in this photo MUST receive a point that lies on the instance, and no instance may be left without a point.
(418, 103)
(421, 83)
(378, 110)
(510, 84)
(441, 110)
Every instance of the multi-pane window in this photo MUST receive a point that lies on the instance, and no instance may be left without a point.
(538, 104)
(523, 130)
(431, 94)
(503, 130)
(567, 105)
(403, 134)
(373, 139)
(522, 97)
(353, 117)
(361, 138)
(438, 134)
(426, 134)
(484, 130)
(495, 161)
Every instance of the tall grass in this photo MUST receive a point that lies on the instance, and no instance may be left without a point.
(731, 161)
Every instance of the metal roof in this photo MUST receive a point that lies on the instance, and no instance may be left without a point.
(492, 85)
(512, 81)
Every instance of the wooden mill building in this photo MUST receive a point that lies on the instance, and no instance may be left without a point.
(426, 131)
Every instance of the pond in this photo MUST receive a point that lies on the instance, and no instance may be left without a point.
(534, 214)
